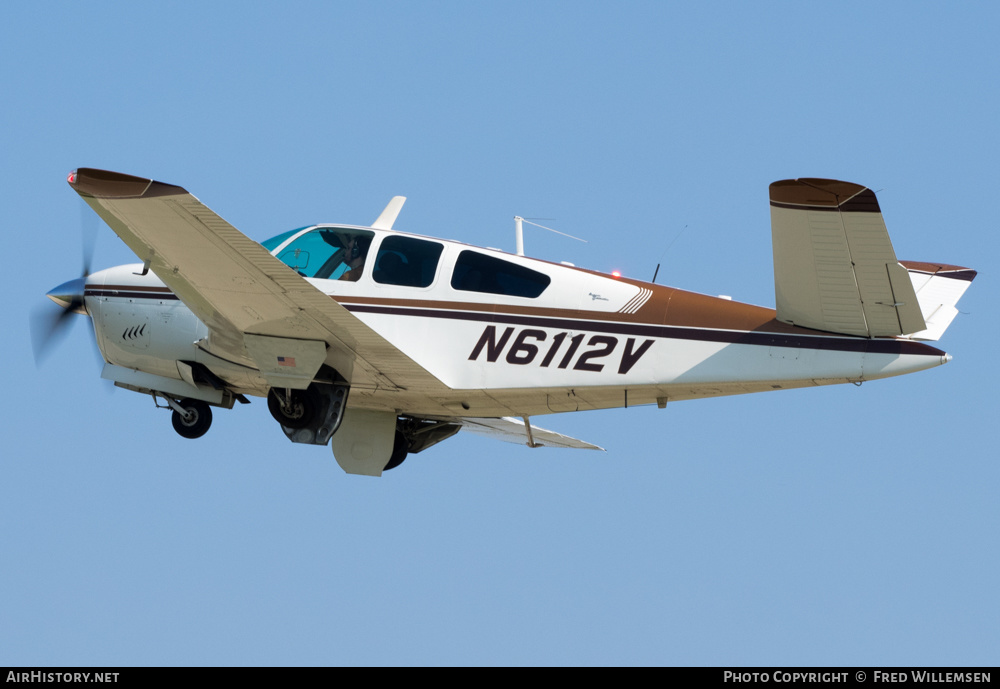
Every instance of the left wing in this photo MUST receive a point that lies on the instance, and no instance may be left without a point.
(513, 430)
(251, 301)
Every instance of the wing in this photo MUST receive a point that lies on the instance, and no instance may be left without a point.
(253, 304)
(513, 430)
(834, 266)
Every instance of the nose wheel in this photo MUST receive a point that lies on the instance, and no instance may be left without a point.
(192, 419)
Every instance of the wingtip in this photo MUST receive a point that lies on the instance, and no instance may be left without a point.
(104, 184)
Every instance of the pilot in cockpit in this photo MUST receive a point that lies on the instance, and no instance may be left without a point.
(355, 252)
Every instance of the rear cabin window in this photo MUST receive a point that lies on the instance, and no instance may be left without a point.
(407, 262)
(475, 272)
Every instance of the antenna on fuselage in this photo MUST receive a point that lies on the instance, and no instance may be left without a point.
(676, 237)
(519, 233)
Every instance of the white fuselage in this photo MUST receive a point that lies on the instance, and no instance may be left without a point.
(587, 341)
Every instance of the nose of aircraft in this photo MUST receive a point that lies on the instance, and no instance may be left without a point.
(69, 295)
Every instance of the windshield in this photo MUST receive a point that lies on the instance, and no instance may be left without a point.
(274, 242)
(331, 253)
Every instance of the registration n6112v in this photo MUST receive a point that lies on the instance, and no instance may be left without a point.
(579, 352)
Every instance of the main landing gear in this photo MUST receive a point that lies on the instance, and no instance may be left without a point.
(293, 408)
(309, 416)
(400, 449)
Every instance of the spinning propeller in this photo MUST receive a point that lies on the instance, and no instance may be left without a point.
(48, 326)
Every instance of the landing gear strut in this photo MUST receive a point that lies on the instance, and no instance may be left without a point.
(292, 408)
(192, 419)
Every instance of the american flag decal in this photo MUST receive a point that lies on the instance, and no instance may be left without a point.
(286, 361)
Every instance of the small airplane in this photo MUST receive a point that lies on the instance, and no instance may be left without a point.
(383, 343)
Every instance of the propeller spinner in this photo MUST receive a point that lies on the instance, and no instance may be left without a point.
(69, 295)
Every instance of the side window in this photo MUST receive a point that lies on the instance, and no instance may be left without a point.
(406, 261)
(329, 253)
(476, 272)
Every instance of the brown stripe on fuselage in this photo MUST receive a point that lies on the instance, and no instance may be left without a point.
(814, 340)
(135, 288)
(666, 306)
(670, 312)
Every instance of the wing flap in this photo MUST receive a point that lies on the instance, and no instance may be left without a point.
(234, 285)
(834, 265)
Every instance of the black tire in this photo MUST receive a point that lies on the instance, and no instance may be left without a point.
(302, 412)
(400, 449)
(198, 422)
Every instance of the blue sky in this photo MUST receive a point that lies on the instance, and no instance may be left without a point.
(842, 526)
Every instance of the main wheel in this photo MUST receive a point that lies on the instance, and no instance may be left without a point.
(400, 449)
(195, 422)
(297, 411)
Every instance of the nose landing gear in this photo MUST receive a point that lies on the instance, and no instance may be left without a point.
(191, 418)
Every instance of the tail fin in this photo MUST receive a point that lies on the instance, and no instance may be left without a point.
(938, 288)
(834, 265)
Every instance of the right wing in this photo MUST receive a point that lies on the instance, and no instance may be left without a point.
(511, 430)
(253, 304)
(834, 266)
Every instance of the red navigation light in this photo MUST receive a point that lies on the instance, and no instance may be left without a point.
(71, 177)
(616, 274)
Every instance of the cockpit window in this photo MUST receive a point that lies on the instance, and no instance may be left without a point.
(475, 272)
(274, 242)
(407, 261)
(331, 253)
